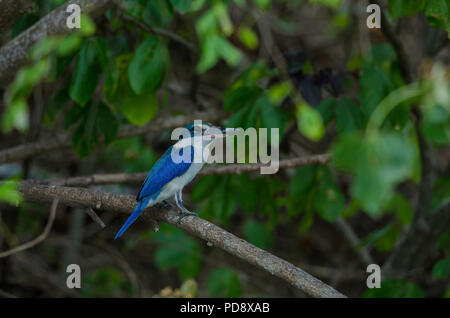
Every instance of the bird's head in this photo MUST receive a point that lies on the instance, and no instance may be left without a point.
(205, 129)
(205, 132)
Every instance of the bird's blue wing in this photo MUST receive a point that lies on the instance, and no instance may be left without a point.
(163, 171)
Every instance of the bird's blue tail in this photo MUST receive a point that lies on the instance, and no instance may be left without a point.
(137, 211)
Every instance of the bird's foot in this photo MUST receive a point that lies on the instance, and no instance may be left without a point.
(186, 213)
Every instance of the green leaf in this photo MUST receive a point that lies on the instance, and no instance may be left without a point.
(69, 45)
(375, 236)
(263, 4)
(401, 8)
(107, 123)
(388, 240)
(16, 116)
(330, 3)
(106, 282)
(185, 6)
(207, 26)
(217, 197)
(310, 122)
(447, 293)
(444, 241)
(27, 78)
(242, 96)
(279, 92)
(223, 200)
(148, 66)
(303, 181)
(204, 187)
(327, 110)
(23, 23)
(378, 162)
(44, 47)
(258, 234)
(271, 117)
(437, 13)
(85, 136)
(109, 66)
(177, 250)
(349, 116)
(436, 125)
(249, 38)
(58, 100)
(252, 74)
(441, 269)
(9, 192)
(139, 109)
(85, 76)
(214, 48)
(87, 25)
(395, 289)
(247, 191)
(228, 52)
(329, 201)
(402, 208)
(375, 86)
(223, 282)
(158, 13)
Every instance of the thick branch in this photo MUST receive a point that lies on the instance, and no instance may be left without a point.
(87, 198)
(135, 178)
(15, 53)
(63, 141)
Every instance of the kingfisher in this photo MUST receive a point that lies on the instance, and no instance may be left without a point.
(171, 173)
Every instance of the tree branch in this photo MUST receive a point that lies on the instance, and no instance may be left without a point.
(159, 31)
(14, 54)
(27, 150)
(88, 198)
(135, 178)
(38, 239)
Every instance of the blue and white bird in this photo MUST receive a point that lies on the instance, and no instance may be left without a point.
(168, 177)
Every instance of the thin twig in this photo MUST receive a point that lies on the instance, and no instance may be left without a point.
(38, 239)
(134, 178)
(94, 216)
(160, 31)
(353, 239)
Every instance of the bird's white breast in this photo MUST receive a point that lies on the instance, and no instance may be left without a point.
(178, 183)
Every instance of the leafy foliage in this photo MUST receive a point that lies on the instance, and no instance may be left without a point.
(223, 282)
(177, 250)
(149, 59)
(395, 289)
